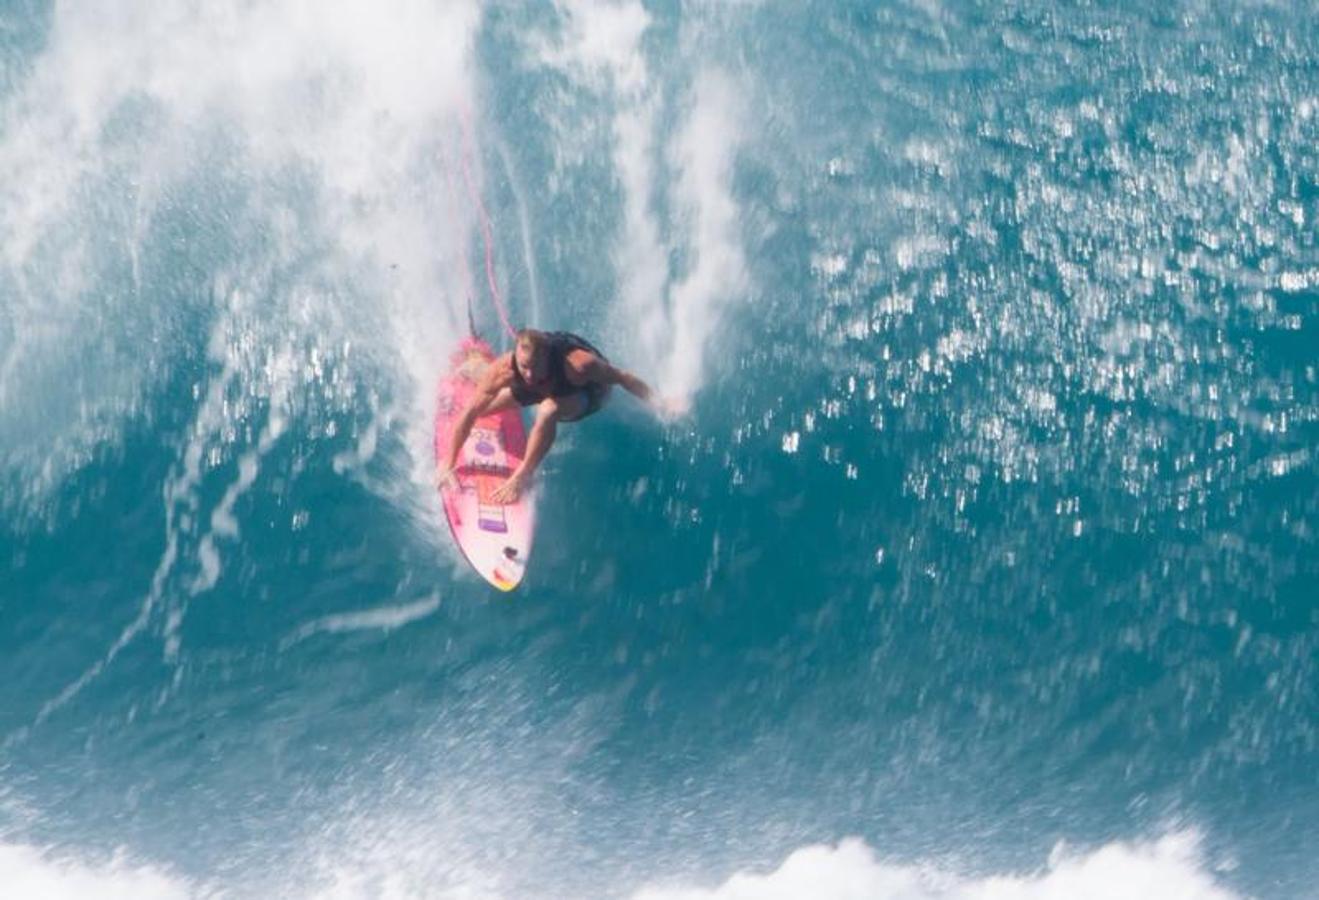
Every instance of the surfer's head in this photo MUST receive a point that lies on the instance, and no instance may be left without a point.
(529, 356)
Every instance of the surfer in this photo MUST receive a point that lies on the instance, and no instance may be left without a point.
(561, 374)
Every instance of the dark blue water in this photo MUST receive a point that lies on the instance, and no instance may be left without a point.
(985, 559)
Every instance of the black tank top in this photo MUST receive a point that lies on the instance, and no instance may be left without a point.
(558, 344)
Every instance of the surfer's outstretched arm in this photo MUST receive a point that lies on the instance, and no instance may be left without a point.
(600, 371)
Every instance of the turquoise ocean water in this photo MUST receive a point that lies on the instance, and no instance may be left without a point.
(985, 561)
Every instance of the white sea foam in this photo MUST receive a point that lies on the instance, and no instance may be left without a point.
(330, 236)
(328, 123)
(670, 312)
(602, 40)
(407, 863)
(703, 155)
(384, 618)
(30, 873)
(1170, 868)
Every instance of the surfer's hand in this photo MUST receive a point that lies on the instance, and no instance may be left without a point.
(670, 409)
(446, 476)
(509, 491)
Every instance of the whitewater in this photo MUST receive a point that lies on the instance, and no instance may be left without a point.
(982, 567)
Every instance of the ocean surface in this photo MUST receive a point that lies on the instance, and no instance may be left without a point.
(984, 565)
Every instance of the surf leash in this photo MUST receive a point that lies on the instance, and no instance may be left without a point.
(486, 230)
(469, 289)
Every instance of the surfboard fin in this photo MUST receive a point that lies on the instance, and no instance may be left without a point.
(471, 320)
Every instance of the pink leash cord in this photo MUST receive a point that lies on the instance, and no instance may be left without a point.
(486, 230)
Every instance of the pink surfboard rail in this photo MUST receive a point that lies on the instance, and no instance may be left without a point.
(495, 538)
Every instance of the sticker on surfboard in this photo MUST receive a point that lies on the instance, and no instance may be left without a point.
(495, 538)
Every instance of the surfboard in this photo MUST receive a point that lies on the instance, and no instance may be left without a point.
(495, 538)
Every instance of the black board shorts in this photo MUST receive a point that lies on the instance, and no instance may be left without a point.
(596, 395)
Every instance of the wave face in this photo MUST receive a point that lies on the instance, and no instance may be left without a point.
(983, 566)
